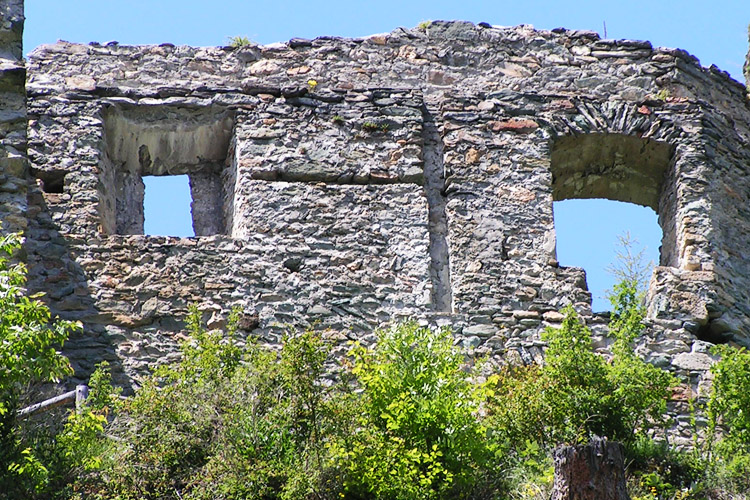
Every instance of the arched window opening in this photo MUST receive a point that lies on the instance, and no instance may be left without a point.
(596, 173)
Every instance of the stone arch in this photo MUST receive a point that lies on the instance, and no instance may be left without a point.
(615, 167)
(622, 152)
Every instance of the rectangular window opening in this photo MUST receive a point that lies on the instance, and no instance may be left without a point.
(51, 181)
(166, 206)
(162, 171)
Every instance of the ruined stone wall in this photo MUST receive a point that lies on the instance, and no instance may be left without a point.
(414, 178)
(13, 165)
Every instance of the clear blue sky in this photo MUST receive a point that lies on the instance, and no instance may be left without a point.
(714, 31)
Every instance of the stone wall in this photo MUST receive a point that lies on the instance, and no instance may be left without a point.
(13, 165)
(345, 183)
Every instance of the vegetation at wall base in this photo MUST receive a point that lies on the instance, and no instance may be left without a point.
(402, 419)
(578, 394)
(28, 355)
(418, 435)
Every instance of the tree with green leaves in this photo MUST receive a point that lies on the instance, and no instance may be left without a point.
(578, 393)
(29, 343)
(418, 435)
(728, 434)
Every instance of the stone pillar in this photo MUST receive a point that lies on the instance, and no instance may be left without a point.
(13, 162)
(595, 471)
(747, 63)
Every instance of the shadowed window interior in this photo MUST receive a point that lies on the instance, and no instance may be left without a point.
(174, 156)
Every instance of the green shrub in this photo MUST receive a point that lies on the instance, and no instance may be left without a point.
(641, 389)
(729, 412)
(659, 471)
(579, 397)
(530, 472)
(274, 444)
(228, 421)
(81, 448)
(418, 434)
(29, 340)
(577, 393)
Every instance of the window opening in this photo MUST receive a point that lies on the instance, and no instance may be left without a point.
(166, 206)
(588, 232)
(163, 171)
(604, 185)
(51, 181)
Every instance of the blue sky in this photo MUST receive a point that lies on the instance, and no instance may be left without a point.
(713, 31)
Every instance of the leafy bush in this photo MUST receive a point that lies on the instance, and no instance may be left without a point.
(227, 421)
(29, 340)
(273, 447)
(729, 410)
(419, 434)
(641, 389)
(658, 471)
(577, 393)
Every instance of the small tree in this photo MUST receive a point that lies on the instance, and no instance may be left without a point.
(630, 266)
(577, 393)
(28, 354)
(729, 408)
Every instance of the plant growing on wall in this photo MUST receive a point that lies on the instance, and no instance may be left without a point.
(239, 41)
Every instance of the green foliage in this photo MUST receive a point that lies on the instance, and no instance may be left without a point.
(424, 25)
(81, 447)
(729, 410)
(338, 120)
(531, 472)
(168, 427)
(641, 389)
(375, 127)
(418, 435)
(579, 397)
(577, 393)
(239, 41)
(247, 422)
(28, 355)
(661, 472)
(273, 446)
(663, 95)
(229, 420)
(730, 398)
(517, 408)
(29, 340)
